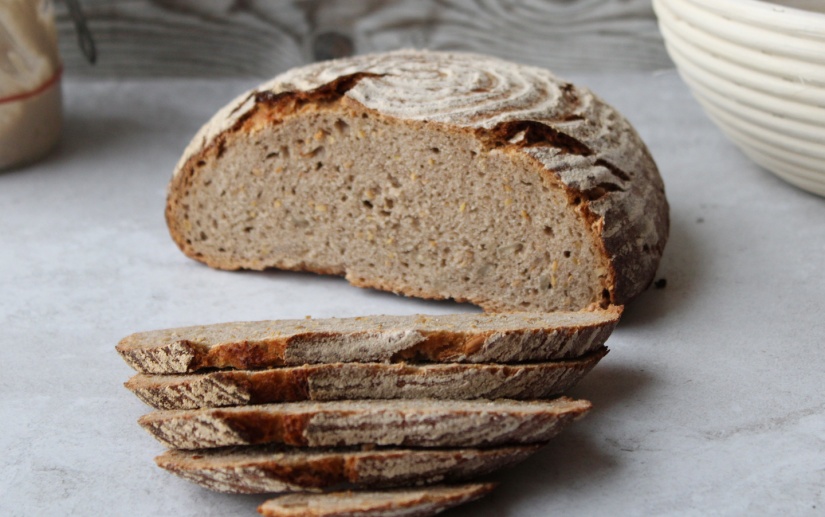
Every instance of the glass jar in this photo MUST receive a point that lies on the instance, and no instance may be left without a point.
(30, 70)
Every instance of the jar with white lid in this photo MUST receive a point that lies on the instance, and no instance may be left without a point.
(30, 70)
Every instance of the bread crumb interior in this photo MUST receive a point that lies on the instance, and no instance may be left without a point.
(411, 207)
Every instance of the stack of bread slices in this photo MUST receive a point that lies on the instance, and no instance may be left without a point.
(429, 174)
(394, 409)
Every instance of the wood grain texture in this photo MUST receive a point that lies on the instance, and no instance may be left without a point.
(260, 38)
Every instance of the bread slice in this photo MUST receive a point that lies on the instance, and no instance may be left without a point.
(409, 502)
(267, 469)
(413, 423)
(362, 381)
(477, 338)
(430, 174)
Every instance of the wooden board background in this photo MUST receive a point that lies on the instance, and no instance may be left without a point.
(214, 38)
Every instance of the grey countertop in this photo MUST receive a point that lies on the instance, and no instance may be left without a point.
(710, 402)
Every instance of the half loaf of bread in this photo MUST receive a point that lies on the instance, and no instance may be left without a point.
(354, 381)
(409, 502)
(269, 469)
(476, 338)
(429, 174)
(413, 423)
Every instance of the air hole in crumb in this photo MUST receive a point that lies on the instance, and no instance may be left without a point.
(319, 165)
(367, 204)
(466, 278)
(389, 203)
(577, 201)
(247, 229)
(203, 236)
(201, 163)
(341, 127)
(315, 152)
(645, 248)
(222, 250)
(548, 230)
(364, 115)
(207, 183)
(566, 253)
(344, 197)
(525, 304)
(273, 154)
(385, 213)
(436, 150)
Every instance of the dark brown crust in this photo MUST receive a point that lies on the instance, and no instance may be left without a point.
(340, 381)
(443, 347)
(262, 427)
(242, 355)
(274, 106)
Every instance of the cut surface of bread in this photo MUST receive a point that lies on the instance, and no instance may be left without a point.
(341, 381)
(477, 338)
(429, 174)
(268, 469)
(410, 502)
(412, 423)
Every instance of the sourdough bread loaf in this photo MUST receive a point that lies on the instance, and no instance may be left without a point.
(476, 338)
(410, 502)
(413, 423)
(429, 174)
(268, 469)
(353, 381)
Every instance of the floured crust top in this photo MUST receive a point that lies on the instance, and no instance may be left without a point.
(584, 144)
